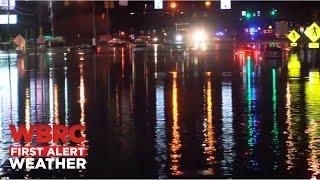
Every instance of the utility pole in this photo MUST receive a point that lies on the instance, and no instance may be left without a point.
(36, 28)
(8, 25)
(51, 17)
(107, 5)
(8, 58)
(93, 24)
(108, 21)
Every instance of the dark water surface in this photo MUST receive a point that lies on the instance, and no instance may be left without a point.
(159, 114)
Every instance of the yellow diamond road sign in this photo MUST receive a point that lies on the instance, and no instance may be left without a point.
(293, 36)
(313, 32)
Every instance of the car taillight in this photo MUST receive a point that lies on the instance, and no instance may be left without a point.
(98, 49)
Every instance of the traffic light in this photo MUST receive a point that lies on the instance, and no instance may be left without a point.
(248, 15)
(273, 12)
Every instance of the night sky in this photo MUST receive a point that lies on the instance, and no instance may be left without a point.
(75, 18)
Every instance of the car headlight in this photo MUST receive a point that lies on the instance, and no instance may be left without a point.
(179, 37)
(155, 39)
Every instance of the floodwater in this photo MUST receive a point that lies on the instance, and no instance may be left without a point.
(167, 114)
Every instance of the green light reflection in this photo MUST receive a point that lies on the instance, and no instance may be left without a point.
(275, 129)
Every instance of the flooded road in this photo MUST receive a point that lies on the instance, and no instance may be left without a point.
(166, 114)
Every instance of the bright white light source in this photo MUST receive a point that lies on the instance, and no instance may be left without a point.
(203, 46)
(258, 13)
(155, 39)
(4, 19)
(220, 33)
(158, 4)
(179, 38)
(253, 30)
(5, 3)
(49, 54)
(196, 46)
(199, 36)
(243, 13)
(225, 4)
(301, 29)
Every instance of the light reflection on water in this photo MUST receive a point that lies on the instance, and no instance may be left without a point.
(275, 128)
(8, 108)
(252, 123)
(313, 124)
(294, 110)
(290, 143)
(227, 129)
(66, 101)
(160, 131)
(82, 98)
(30, 96)
(209, 142)
(129, 134)
(175, 145)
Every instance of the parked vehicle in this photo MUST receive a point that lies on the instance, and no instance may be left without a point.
(82, 49)
(102, 47)
(272, 57)
(115, 42)
(140, 44)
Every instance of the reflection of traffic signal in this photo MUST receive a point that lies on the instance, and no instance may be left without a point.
(273, 12)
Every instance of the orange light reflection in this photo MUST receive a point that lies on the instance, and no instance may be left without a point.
(175, 145)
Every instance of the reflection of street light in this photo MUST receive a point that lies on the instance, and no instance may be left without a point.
(173, 5)
(207, 3)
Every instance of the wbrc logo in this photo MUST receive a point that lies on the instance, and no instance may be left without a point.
(48, 157)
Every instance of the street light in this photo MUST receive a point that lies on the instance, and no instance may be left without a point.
(173, 5)
(207, 3)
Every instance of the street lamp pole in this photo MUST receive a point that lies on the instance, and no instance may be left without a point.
(93, 24)
(108, 21)
(36, 28)
(51, 17)
(8, 25)
(173, 6)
